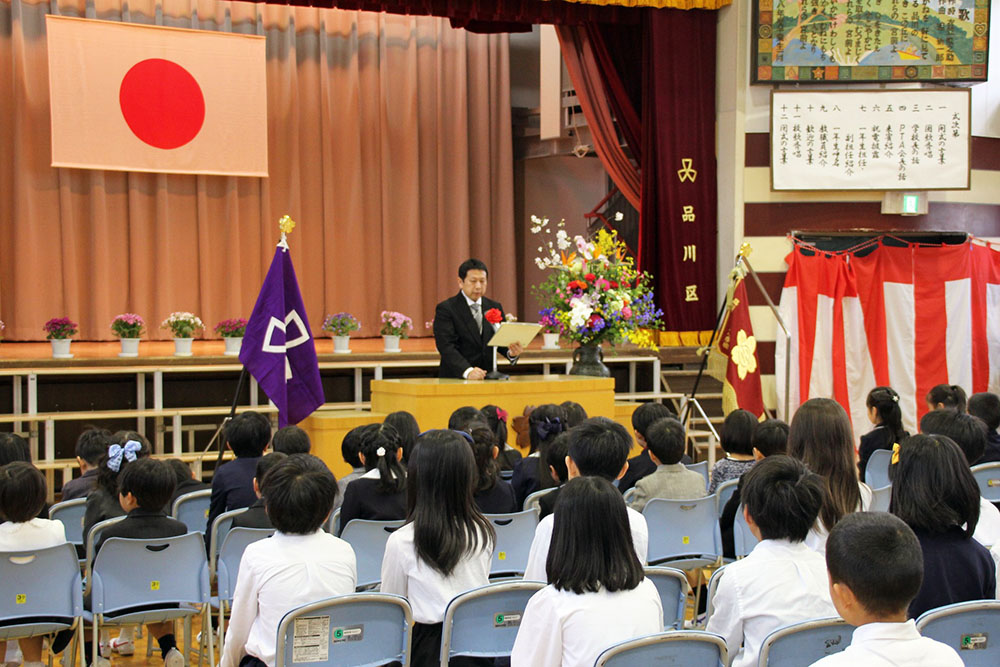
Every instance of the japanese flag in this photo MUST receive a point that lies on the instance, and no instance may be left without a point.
(130, 97)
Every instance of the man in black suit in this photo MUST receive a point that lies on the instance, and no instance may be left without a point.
(461, 329)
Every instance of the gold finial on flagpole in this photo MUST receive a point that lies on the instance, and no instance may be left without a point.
(285, 225)
(745, 249)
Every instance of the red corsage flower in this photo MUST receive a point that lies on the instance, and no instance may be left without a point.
(493, 316)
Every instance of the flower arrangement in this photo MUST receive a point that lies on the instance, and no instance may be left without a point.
(60, 328)
(234, 327)
(183, 325)
(395, 324)
(341, 324)
(128, 325)
(547, 318)
(594, 291)
(2, 327)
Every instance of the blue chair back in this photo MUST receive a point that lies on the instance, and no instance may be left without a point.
(713, 586)
(515, 533)
(971, 628)
(360, 629)
(743, 540)
(690, 648)
(483, 622)
(531, 502)
(93, 537)
(672, 585)
(230, 555)
(155, 572)
(702, 468)
(724, 492)
(685, 532)
(191, 509)
(877, 470)
(332, 524)
(70, 514)
(222, 525)
(368, 539)
(880, 499)
(41, 591)
(988, 478)
(805, 643)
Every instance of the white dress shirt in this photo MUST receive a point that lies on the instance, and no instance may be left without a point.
(535, 569)
(892, 645)
(777, 584)
(34, 534)
(429, 591)
(988, 529)
(470, 302)
(277, 575)
(563, 628)
(816, 539)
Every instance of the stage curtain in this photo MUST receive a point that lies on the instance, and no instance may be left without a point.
(585, 73)
(660, 4)
(389, 142)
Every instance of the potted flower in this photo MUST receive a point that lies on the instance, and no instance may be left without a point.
(394, 326)
(183, 326)
(232, 331)
(550, 328)
(128, 327)
(2, 327)
(58, 330)
(340, 326)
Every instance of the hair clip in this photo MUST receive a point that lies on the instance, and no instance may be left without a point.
(502, 415)
(895, 453)
(380, 451)
(116, 452)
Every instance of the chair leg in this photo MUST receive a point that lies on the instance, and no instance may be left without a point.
(206, 622)
(186, 650)
(95, 638)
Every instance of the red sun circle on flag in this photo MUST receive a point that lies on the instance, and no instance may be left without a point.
(162, 103)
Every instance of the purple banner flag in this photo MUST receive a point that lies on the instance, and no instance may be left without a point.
(278, 348)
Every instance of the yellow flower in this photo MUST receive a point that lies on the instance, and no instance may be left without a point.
(642, 338)
(743, 354)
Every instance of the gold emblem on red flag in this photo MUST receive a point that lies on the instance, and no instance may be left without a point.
(743, 354)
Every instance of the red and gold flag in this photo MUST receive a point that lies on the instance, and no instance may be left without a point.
(737, 347)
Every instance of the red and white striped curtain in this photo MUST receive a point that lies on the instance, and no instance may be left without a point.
(908, 317)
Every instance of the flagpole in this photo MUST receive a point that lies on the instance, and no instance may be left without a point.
(704, 358)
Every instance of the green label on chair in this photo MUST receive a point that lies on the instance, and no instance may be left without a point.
(974, 641)
(354, 633)
(507, 619)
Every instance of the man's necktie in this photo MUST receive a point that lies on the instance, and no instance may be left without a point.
(477, 314)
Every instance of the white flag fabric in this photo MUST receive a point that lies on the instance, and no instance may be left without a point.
(129, 97)
(907, 317)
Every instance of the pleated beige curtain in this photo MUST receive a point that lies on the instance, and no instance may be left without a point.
(389, 142)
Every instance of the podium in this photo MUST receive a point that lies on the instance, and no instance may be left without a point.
(432, 400)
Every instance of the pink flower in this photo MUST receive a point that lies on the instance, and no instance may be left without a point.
(627, 312)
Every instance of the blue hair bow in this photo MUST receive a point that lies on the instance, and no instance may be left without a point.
(116, 452)
(548, 428)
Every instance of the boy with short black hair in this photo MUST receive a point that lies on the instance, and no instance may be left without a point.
(90, 446)
(986, 406)
(639, 466)
(555, 458)
(350, 449)
(291, 440)
(256, 515)
(300, 563)
(665, 441)
(232, 484)
(598, 447)
(876, 566)
(781, 502)
(186, 482)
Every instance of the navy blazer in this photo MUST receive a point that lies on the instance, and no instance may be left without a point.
(460, 344)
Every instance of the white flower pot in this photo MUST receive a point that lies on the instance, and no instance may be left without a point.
(342, 344)
(60, 348)
(130, 347)
(391, 343)
(233, 345)
(551, 341)
(182, 347)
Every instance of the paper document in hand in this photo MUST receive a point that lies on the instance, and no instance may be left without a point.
(514, 332)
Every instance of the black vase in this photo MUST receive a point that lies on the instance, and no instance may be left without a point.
(589, 360)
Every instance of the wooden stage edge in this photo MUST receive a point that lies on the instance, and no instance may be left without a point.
(365, 351)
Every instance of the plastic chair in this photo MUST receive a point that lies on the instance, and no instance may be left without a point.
(531, 502)
(743, 540)
(483, 622)
(877, 470)
(93, 537)
(724, 492)
(515, 533)
(685, 532)
(360, 629)
(70, 514)
(691, 648)
(332, 524)
(804, 643)
(629, 496)
(220, 527)
(968, 627)
(713, 587)
(700, 467)
(988, 477)
(672, 585)
(368, 539)
(880, 499)
(191, 509)
(150, 581)
(227, 567)
(41, 592)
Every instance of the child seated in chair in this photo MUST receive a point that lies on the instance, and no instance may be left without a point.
(91, 444)
(782, 581)
(298, 564)
(232, 484)
(22, 495)
(256, 515)
(555, 458)
(672, 480)
(876, 568)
